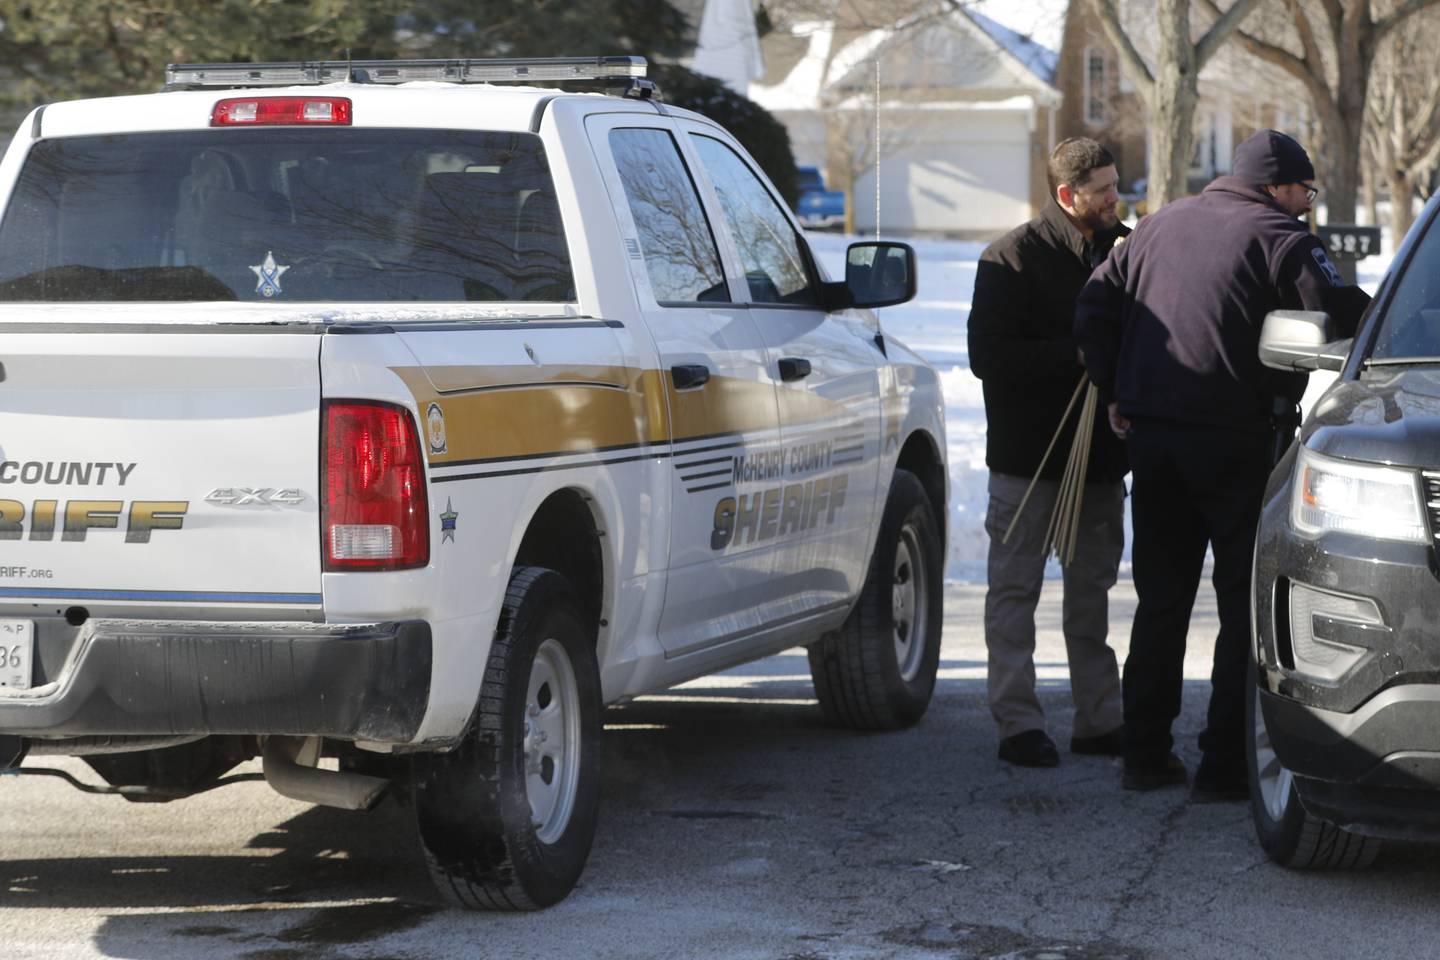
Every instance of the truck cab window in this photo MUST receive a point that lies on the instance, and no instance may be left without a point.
(680, 253)
(769, 247)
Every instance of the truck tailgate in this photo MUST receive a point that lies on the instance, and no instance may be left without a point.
(146, 468)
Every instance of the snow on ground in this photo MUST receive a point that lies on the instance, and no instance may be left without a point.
(934, 325)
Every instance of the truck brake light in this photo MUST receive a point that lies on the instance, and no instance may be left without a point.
(281, 111)
(375, 515)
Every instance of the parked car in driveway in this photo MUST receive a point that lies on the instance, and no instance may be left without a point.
(817, 207)
(1345, 718)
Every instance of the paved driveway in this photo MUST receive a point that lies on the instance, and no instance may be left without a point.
(734, 826)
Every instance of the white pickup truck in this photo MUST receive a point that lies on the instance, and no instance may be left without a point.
(394, 414)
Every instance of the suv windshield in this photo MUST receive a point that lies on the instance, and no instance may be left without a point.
(286, 215)
(1410, 326)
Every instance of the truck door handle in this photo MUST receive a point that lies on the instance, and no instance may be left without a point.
(688, 375)
(794, 368)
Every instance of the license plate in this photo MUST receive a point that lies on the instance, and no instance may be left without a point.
(17, 653)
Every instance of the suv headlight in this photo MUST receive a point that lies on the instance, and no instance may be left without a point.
(1364, 499)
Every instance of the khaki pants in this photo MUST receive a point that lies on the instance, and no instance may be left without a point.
(1015, 572)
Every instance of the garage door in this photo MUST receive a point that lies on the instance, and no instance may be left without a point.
(951, 171)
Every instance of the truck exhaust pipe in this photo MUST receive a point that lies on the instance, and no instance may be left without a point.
(291, 769)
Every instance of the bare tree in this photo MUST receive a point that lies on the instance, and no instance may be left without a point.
(1339, 41)
(1369, 191)
(1402, 130)
(1170, 89)
(865, 127)
(852, 146)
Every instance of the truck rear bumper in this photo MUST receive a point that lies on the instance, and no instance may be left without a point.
(356, 681)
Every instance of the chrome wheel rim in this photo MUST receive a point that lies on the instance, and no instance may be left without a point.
(908, 604)
(552, 741)
(1272, 778)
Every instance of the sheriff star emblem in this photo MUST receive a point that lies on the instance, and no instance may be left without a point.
(447, 522)
(268, 273)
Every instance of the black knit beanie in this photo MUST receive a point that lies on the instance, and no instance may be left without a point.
(1272, 157)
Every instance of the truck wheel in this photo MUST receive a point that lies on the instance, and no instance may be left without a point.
(507, 817)
(1289, 835)
(877, 671)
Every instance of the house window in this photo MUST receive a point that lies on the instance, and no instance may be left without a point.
(1095, 88)
(1204, 161)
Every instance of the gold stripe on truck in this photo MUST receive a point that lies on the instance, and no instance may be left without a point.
(491, 416)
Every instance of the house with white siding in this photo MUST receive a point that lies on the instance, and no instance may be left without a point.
(727, 44)
(955, 111)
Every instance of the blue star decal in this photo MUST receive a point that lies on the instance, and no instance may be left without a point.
(447, 522)
(268, 273)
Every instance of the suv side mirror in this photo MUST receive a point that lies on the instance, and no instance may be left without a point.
(878, 273)
(1301, 341)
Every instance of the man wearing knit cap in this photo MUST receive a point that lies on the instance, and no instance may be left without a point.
(1169, 328)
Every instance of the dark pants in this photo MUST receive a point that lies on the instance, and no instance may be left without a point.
(1192, 485)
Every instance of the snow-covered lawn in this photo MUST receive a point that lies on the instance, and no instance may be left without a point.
(934, 325)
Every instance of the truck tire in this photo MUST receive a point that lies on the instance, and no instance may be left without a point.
(506, 818)
(1289, 835)
(877, 671)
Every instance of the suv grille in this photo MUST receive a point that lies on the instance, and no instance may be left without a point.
(1431, 480)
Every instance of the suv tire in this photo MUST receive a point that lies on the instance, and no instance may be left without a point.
(1289, 835)
(507, 818)
(877, 671)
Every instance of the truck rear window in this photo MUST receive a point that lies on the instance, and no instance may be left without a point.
(286, 215)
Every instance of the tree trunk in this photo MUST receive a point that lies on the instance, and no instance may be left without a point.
(1171, 141)
(1342, 188)
(1401, 204)
(1340, 135)
(843, 167)
(1368, 201)
(1172, 101)
(845, 183)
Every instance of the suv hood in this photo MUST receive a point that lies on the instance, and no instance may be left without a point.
(1391, 418)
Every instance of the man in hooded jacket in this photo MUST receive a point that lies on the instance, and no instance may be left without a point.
(1169, 328)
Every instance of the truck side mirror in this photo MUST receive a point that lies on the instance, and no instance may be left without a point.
(878, 273)
(1301, 341)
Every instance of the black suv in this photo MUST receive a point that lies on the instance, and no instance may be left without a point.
(1345, 720)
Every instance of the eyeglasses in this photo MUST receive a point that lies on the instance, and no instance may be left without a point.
(1311, 191)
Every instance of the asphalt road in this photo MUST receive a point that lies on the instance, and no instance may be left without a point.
(734, 825)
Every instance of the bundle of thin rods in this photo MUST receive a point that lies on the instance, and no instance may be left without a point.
(1063, 531)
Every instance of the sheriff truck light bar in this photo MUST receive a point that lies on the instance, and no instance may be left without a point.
(512, 70)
